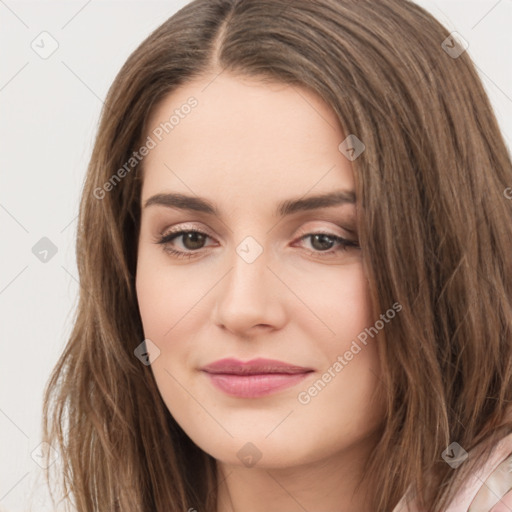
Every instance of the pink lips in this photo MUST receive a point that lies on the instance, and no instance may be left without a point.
(255, 378)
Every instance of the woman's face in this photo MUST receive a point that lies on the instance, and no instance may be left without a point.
(267, 277)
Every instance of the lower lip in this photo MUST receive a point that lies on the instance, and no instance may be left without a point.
(254, 386)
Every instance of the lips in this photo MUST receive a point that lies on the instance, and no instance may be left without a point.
(255, 378)
(253, 367)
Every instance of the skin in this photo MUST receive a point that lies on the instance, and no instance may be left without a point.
(246, 146)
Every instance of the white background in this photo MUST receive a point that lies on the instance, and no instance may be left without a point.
(49, 114)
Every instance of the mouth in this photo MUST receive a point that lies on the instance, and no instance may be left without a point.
(255, 378)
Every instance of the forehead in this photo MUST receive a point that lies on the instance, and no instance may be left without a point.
(241, 134)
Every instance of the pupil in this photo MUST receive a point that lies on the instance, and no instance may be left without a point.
(196, 240)
(324, 239)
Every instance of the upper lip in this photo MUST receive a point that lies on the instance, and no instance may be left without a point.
(253, 367)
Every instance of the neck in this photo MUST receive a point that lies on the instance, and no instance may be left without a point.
(326, 484)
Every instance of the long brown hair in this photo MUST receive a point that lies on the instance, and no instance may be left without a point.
(435, 230)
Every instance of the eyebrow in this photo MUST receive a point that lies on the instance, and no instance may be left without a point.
(287, 207)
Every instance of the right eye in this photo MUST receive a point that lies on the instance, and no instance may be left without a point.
(191, 240)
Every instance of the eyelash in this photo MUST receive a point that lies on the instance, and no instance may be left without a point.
(344, 244)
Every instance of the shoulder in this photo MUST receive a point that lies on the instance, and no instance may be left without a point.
(488, 486)
(495, 494)
(487, 489)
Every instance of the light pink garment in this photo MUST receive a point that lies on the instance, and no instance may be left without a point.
(486, 492)
(505, 504)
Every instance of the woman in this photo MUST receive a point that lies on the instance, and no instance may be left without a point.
(295, 260)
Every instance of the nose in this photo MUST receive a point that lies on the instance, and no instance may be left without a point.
(250, 297)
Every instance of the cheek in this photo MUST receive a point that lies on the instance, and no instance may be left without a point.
(166, 299)
(338, 301)
(351, 308)
(350, 357)
(166, 295)
(152, 297)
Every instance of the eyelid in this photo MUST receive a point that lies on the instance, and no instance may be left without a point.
(302, 231)
(186, 227)
(326, 231)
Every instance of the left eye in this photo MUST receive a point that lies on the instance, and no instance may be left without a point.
(193, 241)
(323, 242)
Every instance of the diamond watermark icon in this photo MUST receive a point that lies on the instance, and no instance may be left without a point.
(45, 45)
(44, 455)
(249, 249)
(147, 352)
(454, 45)
(44, 250)
(454, 455)
(351, 147)
(249, 455)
